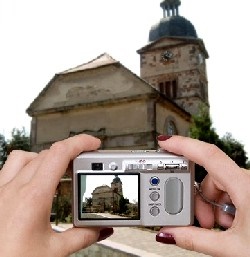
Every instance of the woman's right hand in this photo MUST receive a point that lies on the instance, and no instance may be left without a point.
(226, 182)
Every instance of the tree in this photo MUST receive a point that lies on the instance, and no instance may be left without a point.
(3, 150)
(201, 128)
(235, 150)
(123, 205)
(19, 141)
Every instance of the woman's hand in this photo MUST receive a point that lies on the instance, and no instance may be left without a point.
(28, 182)
(225, 183)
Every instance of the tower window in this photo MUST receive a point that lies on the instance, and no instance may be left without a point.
(203, 91)
(168, 88)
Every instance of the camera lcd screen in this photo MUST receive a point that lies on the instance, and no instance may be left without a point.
(110, 196)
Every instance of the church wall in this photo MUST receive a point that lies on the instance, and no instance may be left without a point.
(127, 118)
(164, 115)
(90, 86)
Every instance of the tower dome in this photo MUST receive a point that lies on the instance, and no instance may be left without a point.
(116, 179)
(172, 25)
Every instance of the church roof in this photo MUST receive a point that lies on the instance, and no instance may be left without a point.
(101, 60)
(71, 89)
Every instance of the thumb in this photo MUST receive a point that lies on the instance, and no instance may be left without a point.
(194, 239)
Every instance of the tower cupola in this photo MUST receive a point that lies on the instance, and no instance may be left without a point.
(172, 24)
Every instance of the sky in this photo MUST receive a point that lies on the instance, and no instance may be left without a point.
(44, 37)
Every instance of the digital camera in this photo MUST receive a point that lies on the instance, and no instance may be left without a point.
(132, 188)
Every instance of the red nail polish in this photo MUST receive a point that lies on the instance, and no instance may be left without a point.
(163, 137)
(105, 233)
(165, 238)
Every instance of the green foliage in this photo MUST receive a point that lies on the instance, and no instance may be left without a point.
(202, 129)
(62, 208)
(123, 205)
(3, 150)
(19, 141)
(234, 149)
(89, 201)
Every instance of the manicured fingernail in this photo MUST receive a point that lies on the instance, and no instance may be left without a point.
(163, 137)
(165, 238)
(105, 233)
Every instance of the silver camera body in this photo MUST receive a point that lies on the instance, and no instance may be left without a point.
(132, 188)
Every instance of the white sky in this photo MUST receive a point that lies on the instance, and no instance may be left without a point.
(40, 38)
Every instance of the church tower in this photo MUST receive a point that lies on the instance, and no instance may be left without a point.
(174, 60)
(116, 185)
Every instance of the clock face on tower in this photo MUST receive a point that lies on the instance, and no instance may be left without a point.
(166, 55)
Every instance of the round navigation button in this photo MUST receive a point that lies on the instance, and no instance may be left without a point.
(154, 196)
(154, 181)
(154, 211)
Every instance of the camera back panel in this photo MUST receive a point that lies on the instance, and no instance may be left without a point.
(132, 188)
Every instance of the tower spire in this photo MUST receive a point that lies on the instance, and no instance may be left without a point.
(171, 7)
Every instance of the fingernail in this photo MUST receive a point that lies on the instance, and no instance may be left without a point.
(105, 233)
(163, 137)
(165, 238)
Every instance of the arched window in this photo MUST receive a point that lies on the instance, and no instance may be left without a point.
(170, 127)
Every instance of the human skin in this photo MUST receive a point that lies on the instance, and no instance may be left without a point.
(28, 182)
(226, 182)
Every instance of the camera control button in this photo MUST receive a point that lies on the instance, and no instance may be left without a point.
(154, 181)
(173, 195)
(154, 196)
(154, 211)
(113, 166)
(130, 166)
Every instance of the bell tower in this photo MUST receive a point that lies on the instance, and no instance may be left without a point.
(116, 185)
(174, 60)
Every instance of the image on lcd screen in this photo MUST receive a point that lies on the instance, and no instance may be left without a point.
(108, 196)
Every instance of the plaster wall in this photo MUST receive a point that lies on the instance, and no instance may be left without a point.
(116, 119)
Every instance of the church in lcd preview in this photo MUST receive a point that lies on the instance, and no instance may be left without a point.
(106, 198)
(110, 199)
(105, 99)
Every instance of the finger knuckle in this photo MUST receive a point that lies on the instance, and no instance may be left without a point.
(58, 148)
(212, 151)
(17, 154)
(188, 243)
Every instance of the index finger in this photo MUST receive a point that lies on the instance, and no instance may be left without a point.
(58, 158)
(220, 167)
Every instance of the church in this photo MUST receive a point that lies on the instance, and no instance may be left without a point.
(107, 100)
(106, 198)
